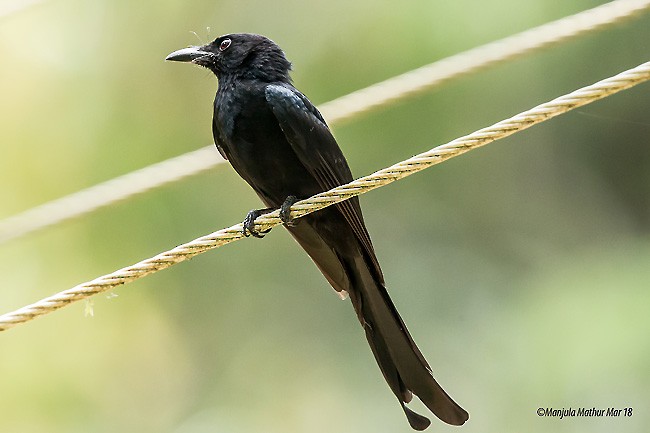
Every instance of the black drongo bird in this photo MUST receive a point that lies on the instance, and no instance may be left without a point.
(279, 143)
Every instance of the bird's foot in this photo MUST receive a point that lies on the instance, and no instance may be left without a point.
(249, 223)
(285, 211)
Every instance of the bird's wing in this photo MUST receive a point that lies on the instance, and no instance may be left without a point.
(311, 139)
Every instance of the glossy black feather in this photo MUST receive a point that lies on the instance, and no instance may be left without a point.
(311, 139)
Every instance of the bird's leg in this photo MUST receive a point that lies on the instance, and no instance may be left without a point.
(249, 223)
(285, 210)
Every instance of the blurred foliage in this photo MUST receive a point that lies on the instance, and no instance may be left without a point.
(521, 269)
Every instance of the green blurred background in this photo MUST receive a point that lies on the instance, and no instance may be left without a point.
(522, 269)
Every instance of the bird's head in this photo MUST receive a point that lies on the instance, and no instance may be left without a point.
(239, 55)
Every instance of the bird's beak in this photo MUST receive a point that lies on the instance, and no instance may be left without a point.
(187, 54)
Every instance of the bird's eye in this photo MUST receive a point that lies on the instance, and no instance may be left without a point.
(224, 44)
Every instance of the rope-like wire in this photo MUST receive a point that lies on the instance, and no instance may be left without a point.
(362, 185)
(335, 111)
(114, 190)
(464, 63)
(9, 7)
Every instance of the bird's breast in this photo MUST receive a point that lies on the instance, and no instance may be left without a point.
(257, 148)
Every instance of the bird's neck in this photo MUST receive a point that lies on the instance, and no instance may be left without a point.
(265, 75)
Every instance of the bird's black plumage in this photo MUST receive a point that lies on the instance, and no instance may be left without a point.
(279, 143)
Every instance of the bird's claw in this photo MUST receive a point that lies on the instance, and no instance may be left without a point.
(285, 211)
(285, 216)
(249, 223)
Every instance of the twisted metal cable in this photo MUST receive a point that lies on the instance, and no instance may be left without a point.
(335, 111)
(362, 185)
